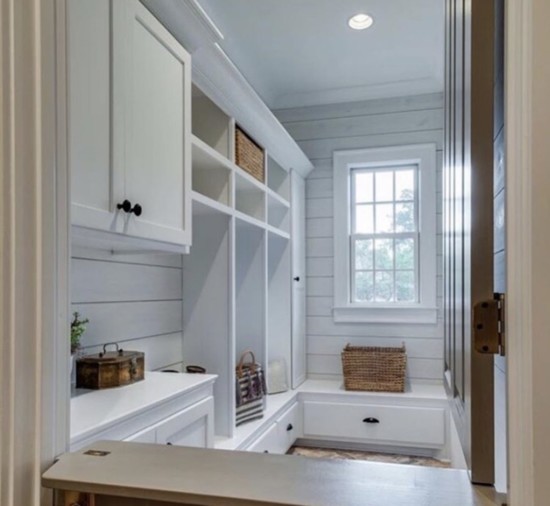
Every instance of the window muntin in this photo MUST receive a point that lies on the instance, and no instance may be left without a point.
(384, 238)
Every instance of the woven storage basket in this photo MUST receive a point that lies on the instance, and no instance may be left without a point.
(374, 369)
(249, 156)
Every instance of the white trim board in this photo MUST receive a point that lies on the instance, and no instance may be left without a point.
(519, 322)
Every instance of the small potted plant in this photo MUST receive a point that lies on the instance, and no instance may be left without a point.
(78, 327)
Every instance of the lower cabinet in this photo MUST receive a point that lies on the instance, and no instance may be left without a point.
(281, 434)
(373, 423)
(193, 426)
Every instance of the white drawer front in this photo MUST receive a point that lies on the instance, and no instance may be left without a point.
(388, 424)
(268, 442)
(290, 427)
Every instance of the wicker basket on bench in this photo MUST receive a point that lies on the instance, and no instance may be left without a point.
(374, 369)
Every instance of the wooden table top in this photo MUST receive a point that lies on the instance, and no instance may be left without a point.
(218, 478)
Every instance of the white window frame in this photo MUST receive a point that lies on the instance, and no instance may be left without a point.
(425, 310)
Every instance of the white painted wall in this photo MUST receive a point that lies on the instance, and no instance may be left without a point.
(134, 300)
(319, 131)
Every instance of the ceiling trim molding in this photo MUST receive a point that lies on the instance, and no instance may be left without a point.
(393, 89)
(212, 67)
(187, 21)
(218, 77)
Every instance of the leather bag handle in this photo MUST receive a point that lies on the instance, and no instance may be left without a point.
(242, 362)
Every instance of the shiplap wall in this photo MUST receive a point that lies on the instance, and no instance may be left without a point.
(320, 130)
(132, 299)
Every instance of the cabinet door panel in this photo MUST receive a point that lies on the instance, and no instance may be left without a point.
(89, 110)
(151, 85)
(299, 280)
(193, 426)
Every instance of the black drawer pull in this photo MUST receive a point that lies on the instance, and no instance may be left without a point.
(371, 420)
(168, 444)
(137, 210)
(126, 206)
(266, 451)
(289, 427)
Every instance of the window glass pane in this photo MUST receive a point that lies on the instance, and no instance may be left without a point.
(364, 286)
(384, 186)
(384, 254)
(404, 254)
(384, 218)
(404, 185)
(383, 288)
(404, 218)
(364, 219)
(405, 290)
(364, 188)
(364, 253)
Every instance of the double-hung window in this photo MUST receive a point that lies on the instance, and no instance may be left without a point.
(385, 235)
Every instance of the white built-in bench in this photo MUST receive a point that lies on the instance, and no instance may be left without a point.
(321, 412)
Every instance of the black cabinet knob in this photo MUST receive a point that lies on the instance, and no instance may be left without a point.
(297, 279)
(168, 444)
(137, 210)
(126, 206)
(289, 427)
(266, 451)
(371, 420)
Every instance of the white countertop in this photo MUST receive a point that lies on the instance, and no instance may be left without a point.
(99, 409)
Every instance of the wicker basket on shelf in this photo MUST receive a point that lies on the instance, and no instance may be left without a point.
(248, 155)
(374, 369)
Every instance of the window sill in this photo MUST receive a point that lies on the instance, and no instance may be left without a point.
(385, 314)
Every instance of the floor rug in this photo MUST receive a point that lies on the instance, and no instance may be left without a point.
(387, 458)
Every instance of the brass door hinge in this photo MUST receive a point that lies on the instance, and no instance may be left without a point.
(489, 331)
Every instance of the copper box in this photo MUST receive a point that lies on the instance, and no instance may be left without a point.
(110, 369)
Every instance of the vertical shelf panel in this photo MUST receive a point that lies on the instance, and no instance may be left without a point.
(250, 290)
(279, 301)
(208, 310)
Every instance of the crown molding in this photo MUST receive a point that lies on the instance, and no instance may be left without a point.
(212, 67)
(393, 89)
(218, 77)
(187, 21)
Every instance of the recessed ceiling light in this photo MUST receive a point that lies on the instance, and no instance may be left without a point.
(360, 21)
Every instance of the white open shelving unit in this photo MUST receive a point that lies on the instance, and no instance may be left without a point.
(237, 277)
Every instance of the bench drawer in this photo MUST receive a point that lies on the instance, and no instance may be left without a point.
(375, 423)
(289, 426)
(268, 442)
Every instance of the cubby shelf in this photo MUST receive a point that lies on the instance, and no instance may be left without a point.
(241, 244)
(206, 205)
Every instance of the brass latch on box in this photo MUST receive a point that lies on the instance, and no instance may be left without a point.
(489, 332)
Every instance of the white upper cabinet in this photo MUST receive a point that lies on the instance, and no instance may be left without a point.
(89, 109)
(130, 122)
